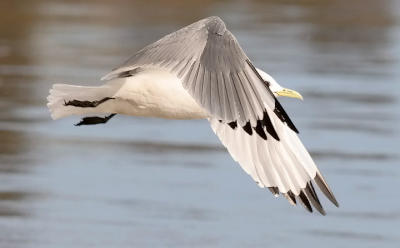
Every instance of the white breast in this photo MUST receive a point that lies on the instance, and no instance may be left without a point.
(155, 93)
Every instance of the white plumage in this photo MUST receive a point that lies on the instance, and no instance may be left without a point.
(152, 92)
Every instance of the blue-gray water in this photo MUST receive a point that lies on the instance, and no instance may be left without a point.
(155, 183)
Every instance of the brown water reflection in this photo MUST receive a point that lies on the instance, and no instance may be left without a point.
(156, 183)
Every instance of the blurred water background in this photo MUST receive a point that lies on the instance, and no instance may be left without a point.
(155, 183)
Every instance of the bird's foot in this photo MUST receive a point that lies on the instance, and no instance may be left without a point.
(94, 120)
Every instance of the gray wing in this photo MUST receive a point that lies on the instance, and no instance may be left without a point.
(214, 70)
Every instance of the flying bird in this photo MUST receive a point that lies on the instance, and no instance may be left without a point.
(201, 72)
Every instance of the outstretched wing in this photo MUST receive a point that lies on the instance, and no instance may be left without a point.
(283, 166)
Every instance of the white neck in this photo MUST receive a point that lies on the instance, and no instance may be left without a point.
(274, 86)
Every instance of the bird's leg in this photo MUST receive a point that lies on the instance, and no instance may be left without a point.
(94, 120)
(86, 104)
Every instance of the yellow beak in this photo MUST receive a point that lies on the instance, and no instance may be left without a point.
(289, 93)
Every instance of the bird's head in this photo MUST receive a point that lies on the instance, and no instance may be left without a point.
(277, 89)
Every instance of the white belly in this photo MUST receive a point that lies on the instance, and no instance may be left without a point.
(155, 93)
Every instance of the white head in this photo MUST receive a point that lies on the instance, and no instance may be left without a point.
(276, 88)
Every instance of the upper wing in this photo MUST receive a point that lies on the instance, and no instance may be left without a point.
(214, 70)
(282, 165)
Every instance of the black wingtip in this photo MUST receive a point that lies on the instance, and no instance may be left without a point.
(259, 130)
(290, 197)
(232, 124)
(274, 190)
(266, 121)
(247, 128)
(320, 181)
(304, 201)
(313, 198)
(283, 116)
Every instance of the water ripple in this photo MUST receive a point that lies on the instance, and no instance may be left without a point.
(353, 127)
(342, 155)
(364, 98)
(349, 235)
(368, 215)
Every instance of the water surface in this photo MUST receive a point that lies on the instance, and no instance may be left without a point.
(155, 183)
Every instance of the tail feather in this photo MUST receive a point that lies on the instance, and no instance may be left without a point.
(60, 93)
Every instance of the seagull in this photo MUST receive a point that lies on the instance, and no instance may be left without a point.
(201, 72)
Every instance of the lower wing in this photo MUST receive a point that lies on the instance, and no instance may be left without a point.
(283, 166)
